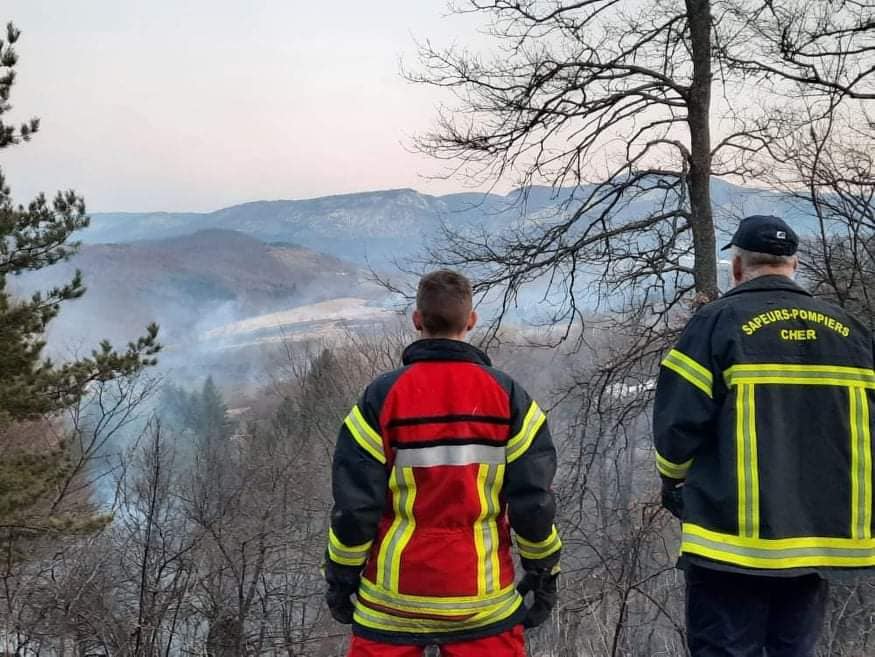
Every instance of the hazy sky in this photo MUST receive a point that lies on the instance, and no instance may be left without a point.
(199, 104)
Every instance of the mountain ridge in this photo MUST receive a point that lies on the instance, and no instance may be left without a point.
(376, 227)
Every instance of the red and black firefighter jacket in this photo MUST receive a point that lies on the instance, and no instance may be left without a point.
(433, 468)
(764, 409)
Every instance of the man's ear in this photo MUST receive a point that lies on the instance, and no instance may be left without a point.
(472, 321)
(736, 270)
(417, 320)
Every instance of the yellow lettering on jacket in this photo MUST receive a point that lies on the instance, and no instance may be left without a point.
(798, 334)
(756, 322)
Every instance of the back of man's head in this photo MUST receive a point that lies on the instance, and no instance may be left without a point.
(763, 245)
(444, 303)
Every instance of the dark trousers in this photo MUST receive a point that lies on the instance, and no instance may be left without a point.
(734, 615)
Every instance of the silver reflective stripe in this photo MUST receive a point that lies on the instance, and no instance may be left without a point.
(424, 457)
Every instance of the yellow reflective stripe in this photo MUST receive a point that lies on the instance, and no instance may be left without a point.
(690, 370)
(540, 549)
(787, 374)
(347, 555)
(740, 462)
(402, 483)
(448, 606)
(752, 462)
(490, 479)
(670, 469)
(866, 440)
(495, 504)
(479, 538)
(861, 465)
(532, 422)
(747, 463)
(807, 551)
(378, 620)
(364, 435)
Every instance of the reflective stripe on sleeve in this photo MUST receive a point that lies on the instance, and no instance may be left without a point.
(670, 469)
(520, 443)
(368, 439)
(539, 549)
(689, 369)
(347, 555)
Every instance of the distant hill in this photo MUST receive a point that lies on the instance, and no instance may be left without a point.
(380, 226)
(227, 285)
(191, 284)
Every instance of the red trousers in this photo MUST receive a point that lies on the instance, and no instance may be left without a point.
(507, 644)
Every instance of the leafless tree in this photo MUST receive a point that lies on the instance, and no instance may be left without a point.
(629, 112)
(613, 101)
(828, 166)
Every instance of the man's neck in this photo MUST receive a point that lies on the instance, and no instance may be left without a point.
(459, 337)
(767, 271)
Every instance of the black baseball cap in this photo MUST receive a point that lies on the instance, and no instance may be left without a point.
(765, 233)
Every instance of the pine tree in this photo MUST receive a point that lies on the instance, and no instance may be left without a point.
(33, 389)
(213, 412)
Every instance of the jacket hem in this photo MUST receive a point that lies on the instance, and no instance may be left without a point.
(686, 561)
(417, 639)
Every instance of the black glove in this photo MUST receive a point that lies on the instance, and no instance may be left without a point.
(672, 496)
(343, 582)
(542, 584)
(340, 605)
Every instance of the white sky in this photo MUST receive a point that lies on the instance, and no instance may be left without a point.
(199, 104)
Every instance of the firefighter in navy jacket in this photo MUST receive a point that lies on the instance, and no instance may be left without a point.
(435, 467)
(763, 435)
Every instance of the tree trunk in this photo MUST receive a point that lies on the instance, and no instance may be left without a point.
(698, 119)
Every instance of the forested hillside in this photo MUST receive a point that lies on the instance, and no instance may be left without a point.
(192, 283)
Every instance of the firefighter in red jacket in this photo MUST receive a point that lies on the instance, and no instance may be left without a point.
(434, 467)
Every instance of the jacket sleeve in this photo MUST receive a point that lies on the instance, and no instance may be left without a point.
(358, 484)
(531, 466)
(685, 410)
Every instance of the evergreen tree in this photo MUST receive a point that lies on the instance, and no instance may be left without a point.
(213, 421)
(32, 387)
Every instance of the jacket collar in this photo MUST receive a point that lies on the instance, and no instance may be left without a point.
(443, 349)
(766, 283)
